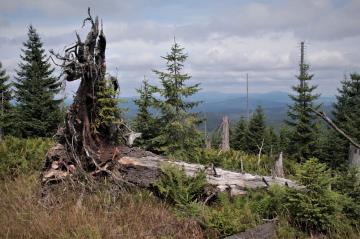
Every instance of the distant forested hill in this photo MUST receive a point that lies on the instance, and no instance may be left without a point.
(216, 104)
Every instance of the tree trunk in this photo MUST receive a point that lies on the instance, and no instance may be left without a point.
(279, 169)
(225, 145)
(354, 156)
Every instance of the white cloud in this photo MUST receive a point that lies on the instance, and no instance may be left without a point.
(224, 42)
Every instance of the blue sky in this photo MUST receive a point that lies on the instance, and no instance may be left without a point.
(224, 39)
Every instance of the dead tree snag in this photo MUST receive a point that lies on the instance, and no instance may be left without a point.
(89, 138)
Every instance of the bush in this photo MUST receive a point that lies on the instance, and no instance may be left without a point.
(268, 204)
(18, 156)
(348, 183)
(178, 188)
(226, 216)
(316, 209)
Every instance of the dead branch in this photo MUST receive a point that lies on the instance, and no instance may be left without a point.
(337, 129)
(260, 150)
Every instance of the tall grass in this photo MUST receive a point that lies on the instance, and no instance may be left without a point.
(25, 214)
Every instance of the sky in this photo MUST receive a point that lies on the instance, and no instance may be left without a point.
(224, 40)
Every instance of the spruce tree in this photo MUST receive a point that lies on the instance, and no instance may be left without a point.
(271, 142)
(5, 103)
(284, 139)
(256, 130)
(38, 113)
(304, 123)
(178, 127)
(144, 121)
(346, 116)
(240, 135)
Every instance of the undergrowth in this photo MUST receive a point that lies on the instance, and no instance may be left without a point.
(19, 156)
(327, 207)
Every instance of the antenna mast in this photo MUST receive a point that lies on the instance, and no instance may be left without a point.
(247, 96)
(302, 66)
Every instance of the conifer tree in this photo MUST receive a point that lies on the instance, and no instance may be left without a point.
(38, 113)
(240, 135)
(305, 126)
(284, 139)
(271, 142)
(145, 122)
(256, 130)
(107, 109)
(178, 127)
(346, 116)
(5, 104)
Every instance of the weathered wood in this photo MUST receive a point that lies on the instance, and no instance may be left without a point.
(279, 169)
(260, 150)
(354, 156)
(143, 169)
(337, 129)
(225, 142)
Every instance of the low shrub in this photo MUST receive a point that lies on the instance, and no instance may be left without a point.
(225, 216)
(18, 156)
(178, 188)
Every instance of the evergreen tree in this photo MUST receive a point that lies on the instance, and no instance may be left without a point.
(346, 116)
(145, 122)
(5, 104)
(271, 142)
(107, 109)
(304, 123)
(240, 135)
(284, 139)
(178, 127)
(38, 113)
(256, 130)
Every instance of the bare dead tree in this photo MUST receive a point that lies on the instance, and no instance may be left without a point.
(225, 142)
(260, 150)
(279, 168)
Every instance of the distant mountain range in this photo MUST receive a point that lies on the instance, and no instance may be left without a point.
(216, 104)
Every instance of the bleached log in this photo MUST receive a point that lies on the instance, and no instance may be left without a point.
(142, 168)
(145, 171)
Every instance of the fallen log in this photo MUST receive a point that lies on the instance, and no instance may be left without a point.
(143, 169)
